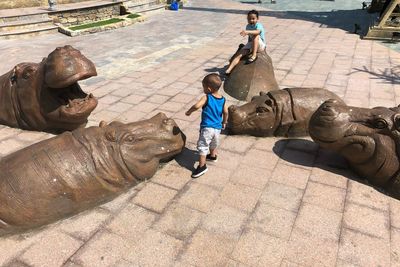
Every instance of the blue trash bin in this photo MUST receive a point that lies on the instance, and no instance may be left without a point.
(174, 6)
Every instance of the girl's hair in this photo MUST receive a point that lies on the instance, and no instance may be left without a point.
(255, 12)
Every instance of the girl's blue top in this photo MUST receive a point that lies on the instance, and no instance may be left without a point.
(211, 116)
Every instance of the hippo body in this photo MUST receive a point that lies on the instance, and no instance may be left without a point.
(78, 170)
(283, 112)
(368, 138)
(246, 81)
(46, 96)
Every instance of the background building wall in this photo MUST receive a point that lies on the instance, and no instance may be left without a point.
(4, 4)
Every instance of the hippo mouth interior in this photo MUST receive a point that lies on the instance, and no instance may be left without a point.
(68, 104)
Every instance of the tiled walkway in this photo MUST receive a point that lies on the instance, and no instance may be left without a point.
(267, 202)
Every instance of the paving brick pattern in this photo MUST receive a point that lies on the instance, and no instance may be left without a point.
(268, 201)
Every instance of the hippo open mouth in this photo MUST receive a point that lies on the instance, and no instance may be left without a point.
(66, 102)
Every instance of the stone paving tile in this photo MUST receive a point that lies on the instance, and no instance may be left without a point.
(224, 220)
(251, 176)
(257, 249)
(288, 175)
(104, 249)
(282, 196)
(179, 221)
(131, 222)
(240, 196)
(367, 220)
(61, 245)
(273, 221)
(198, 196)
(363, 250)
(206, 249)
(154, 197)
(154, 249)
(85, 225)
(325, 196)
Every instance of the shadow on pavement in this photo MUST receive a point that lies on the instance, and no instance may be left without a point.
(342, 19)
(187, 158)
(388, 75)
(325, 159)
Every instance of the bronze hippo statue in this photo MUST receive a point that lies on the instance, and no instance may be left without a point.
(46, 96)
(368, 138)
(246, 81)
(283, 112)
(78, 170)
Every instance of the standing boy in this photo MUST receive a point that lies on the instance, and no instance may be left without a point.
(213, 118)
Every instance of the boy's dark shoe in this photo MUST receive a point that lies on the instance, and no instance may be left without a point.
(211, 158)
(199, 171)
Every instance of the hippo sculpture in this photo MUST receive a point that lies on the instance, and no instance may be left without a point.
(79, 170)
(46, 96)
(246, 81)
(283, 112)
(368, 138)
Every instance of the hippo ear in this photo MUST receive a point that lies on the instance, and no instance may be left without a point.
(396, 120)
(262, 93)
(102, 124)
(111, 135)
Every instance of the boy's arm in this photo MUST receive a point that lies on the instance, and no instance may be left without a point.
(248, 32)
(225, 115)
(196, 106)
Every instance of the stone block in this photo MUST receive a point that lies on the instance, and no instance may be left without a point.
(325, 196)
(179, 221)
(198, 196)
(154, 197)
(289, 175)
(240, 196)
(282, 196)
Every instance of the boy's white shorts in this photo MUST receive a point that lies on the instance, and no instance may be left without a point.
(208, 139)
(261, 45)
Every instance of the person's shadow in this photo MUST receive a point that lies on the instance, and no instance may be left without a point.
(187, 158)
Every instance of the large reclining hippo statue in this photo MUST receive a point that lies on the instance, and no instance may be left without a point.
(246, 81)
(368, 138)
(283, 112)
(46, 96)
(78, 170)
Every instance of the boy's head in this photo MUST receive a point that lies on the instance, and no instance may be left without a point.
(211, 83)
(252, 17)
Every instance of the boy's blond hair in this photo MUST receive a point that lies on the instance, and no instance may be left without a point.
(212, 81)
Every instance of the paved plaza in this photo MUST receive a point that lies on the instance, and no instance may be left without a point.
(268, 201)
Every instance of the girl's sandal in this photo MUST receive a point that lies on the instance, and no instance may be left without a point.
(251, 60)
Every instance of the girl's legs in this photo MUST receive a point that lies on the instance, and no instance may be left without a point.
(256, 41)
(236, 60)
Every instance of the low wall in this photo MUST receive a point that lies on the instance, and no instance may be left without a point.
(5, 4)
(85, 15)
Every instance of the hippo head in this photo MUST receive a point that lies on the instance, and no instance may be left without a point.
(141, 146)
(334, 121)
(367, 138)
(48, 96)
(256, 118)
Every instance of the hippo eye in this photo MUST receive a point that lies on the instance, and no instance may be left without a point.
(262, 109)
(397, 121)
(380, 124)
(130, 138)
(27, 73)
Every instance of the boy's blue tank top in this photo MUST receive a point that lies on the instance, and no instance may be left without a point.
(211, 116)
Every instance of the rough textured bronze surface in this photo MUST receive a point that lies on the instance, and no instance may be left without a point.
(46, 96)
(367, 138)
(278, 113)
(246, 81)
(78, 170)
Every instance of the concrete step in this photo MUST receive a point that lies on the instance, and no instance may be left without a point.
(143, 6)
(25, 25)
(28, 32)
(23, 18)
(150, 9)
